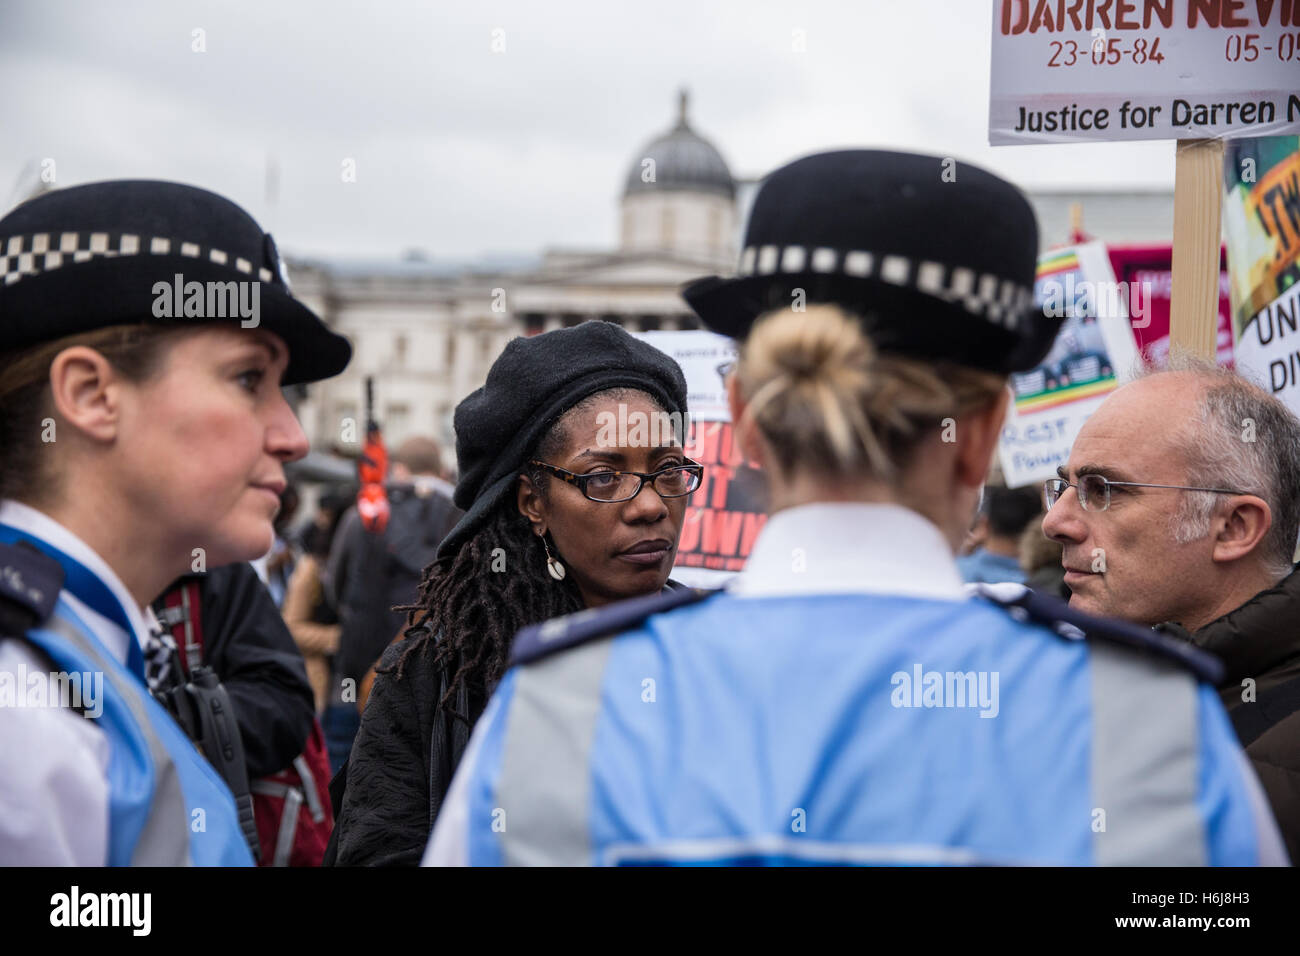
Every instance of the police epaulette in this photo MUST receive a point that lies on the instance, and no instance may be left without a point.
(538, 640)
(1026, 605)
(30, 581)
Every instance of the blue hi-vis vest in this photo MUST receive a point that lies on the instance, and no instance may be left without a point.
(167, 806)
(856, 729)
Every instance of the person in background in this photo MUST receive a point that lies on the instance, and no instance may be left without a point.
(307, 612)
(1040, 557)
(561, 514)
(371, 573)
(1003, 518)
(276, 567)
(1193, 529)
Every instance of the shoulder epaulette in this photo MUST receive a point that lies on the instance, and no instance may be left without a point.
(538, 640)
(1026, 605)
(30, 581)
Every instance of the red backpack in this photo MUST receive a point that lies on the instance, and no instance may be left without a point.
(291, 808)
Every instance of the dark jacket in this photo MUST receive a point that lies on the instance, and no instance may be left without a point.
(372, 573)
(253, 654)
(1259, 642)
(401, 765)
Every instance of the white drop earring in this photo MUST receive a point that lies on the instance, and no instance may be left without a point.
(553, 566)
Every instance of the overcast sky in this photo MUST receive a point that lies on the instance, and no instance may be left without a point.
(462, 151)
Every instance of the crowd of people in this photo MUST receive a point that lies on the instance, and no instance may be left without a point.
(916, 665)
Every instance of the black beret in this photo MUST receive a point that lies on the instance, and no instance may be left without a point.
(529, 387)
(937, 258)
(86, 257)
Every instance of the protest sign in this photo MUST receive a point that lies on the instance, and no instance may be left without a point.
(1070, 71)
(727, 511)
(1093, 354)
(1145, 276)
(1261, 212)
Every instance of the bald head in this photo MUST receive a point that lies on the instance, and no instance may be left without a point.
(1154, 413)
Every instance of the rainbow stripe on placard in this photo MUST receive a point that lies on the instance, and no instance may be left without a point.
(1060, 262)
(1071, 393)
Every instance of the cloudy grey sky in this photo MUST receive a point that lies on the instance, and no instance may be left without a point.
(463, 151)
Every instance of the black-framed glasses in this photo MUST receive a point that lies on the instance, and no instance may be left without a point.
(673, 482)
(1094, 490)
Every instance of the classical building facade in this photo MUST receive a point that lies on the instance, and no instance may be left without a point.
(429, 335)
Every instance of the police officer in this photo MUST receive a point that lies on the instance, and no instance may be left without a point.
(846, 701)
(145, 331)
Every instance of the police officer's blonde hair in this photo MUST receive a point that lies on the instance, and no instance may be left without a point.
(829, 403)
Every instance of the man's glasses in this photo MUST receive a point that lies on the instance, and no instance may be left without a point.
(671, 482)
(1094, 490)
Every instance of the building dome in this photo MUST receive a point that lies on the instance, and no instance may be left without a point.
(683, 161)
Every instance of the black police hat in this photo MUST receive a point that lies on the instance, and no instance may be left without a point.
(936, 257)
(79, 259)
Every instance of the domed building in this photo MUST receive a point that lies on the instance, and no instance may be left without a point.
(427, 334)
(679, 197)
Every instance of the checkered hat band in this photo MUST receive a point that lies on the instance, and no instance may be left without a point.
(32, 255)
(1001, 301)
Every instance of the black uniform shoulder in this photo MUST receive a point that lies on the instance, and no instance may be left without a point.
(1027, 605)
(30, 581)
(538, 640)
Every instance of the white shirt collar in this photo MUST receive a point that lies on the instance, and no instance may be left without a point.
(850, 548)
(40, 525)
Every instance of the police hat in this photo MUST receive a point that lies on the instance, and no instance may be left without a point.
(79, 259)
(936, 257)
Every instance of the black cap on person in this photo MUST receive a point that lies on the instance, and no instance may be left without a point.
(532, 383)
(936, 257)
(79, 259)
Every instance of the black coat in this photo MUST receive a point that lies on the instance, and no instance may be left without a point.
(371, 573)
(401, 764)
(1259, 643)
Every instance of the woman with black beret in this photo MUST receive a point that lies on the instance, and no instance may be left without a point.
(565, 510)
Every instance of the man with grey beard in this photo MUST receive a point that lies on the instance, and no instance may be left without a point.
(1179, 509)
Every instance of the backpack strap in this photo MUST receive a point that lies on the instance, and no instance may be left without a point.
(182, 615)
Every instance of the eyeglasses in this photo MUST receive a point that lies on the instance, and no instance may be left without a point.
(671, 482)
(1094, 490)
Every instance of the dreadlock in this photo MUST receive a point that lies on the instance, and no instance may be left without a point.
(471, 612)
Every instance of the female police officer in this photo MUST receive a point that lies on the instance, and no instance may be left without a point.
(146, 329)
(847, 701)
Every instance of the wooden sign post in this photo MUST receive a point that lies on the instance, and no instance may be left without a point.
(1194, 302)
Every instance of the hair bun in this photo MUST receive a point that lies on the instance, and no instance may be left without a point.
(827, 400)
